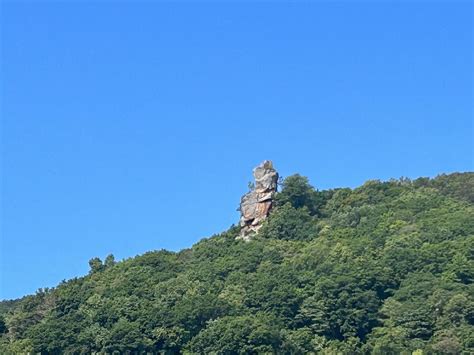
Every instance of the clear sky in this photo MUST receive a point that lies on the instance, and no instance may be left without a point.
(129, 127)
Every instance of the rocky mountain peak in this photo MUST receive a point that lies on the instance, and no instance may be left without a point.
(256, 204)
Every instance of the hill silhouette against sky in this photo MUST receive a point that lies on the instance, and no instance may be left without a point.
(121, 119)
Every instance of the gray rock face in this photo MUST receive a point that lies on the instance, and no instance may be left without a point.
(256, 204)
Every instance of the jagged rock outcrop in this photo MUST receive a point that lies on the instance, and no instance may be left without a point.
(256, 204)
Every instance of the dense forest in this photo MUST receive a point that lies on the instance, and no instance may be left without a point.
(385, 268)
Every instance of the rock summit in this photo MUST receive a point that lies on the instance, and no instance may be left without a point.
(257, 203)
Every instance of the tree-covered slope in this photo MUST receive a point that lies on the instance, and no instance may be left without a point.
(386, 268)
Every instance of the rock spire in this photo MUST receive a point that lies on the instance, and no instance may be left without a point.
(257, 203)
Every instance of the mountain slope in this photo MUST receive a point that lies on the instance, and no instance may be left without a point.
(384, 268)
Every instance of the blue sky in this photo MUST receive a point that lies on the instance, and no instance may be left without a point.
(129, 127)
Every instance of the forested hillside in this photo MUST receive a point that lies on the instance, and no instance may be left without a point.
(386, 268)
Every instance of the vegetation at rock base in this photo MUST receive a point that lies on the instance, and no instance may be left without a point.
(386, 268)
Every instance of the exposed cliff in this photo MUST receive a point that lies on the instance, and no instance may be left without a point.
(256, 204)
